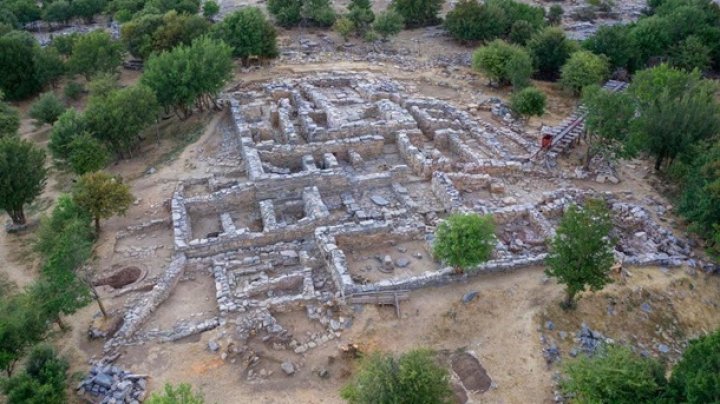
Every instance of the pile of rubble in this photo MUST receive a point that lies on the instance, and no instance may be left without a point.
(109, 384)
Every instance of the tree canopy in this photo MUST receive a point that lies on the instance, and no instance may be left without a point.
(418, 13)
(465, 240)
(503, 63)
(102, 195)
(583, 69)
(95, 52)
(47, 109)
(248, 33)
(22, 176)
(527, 102)
(550, 49)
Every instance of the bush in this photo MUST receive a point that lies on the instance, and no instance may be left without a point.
(550, 49)
(614, 42)
(555, 15)
(87, 154)
(44, 379)
(47, 109)
(696, 378)
(95, 52)
(465, 240)
(69, 125)
(318, 12)
(210, 9)
(414, 378)
(388, 23)
(521, 32)
(528, 102)
(472, 21)
(182, 394)
(503, 63)
(73, 90)
(18, 78)
(582, 69)
(248, 33)
(418, 13)
(691, 53)
(286, 12)
(344, 27)
(9, 119)
(361, 15)
(614, 375)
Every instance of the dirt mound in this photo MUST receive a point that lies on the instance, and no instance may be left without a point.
(121, 278)
(472, 375)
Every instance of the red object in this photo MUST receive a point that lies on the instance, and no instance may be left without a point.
(546, 141)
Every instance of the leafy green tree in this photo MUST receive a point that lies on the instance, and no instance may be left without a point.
(87, 9)
(528, 102)
(465, 240)
(49, 67)
(181, 394)
(318, 12)
(18, 78)
(69, 125)
(503, 63)
(155, 33)
(73, 90)
(137, 34)
(583, 69)
(22, 175)
(22, 326)
(59, 11)
(615, 43)
(418, 13)
(9, 119)
(550, 49)
(521, 32)
(286, 12)
(471, 21)
(388, 23)
(210, 9)
(413, 378)
(95, 52)
(519, 11)
(64, 43)
(607, 122)
(65, 217)
(47, 109)
(650, 37)
(581, 252)
(87, 154)
(361, 15)
(24, 11)
(44, 379)
(555, 14)
(181, 6)
(614, 375)
(676, 110)
(344, 27)
(696, 378)
(118, 118)
(691, 53)
(102, 195)
(248, 33)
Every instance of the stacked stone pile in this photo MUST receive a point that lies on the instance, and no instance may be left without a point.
(109, 384)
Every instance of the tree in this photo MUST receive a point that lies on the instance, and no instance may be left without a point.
(9, 119)
(248, 33)
(696, 378)
(47, 109)
(181, 394)
(87, 154)
(388, 23)
(64, 43)
(675, 110)
(344, 27)
(95, 52)
(691, 54)
(58, 11)
(465, 240)
(87, 9)
(210, 9)
(472, 21)
(73, 91)
(555, 15)
(18, 78)
(581, 252)
(21, 326)
(156, 33)
(49, 67)
(550, 49)
(361, 15)
(528, 102)
(614, 42)
(521, 32)
(649, 37)
(418, 13)
(22, 176)
(318, 12)
(413, 378)
(24, 11)
(286, 12)
(44, 379)
(614, 375)
(181, 6)
(503, 63)
(69, 125)
(102, 195)
(607, 122)
(118, 118)
(583, 69)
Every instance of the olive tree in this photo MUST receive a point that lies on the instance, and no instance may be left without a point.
(465, 240)
(22, 176)
(102, 195)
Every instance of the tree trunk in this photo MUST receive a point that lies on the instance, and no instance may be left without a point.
(588, 157)
(99, 302)
(17, 215)
(60, 323)
(97, 225)
(658, 162)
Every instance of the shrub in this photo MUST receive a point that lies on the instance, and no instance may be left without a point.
(550, 49)
(69, 125)
(249, 33)
(44, 379)
(361, 15)
(47, 109)
(73, 90)
(388, 23)
(555, 15)
(87, 154)
(583, 69)
(210, 9)
(503, 63)
(614, 42)
(614, 375)
(691, 53)
(418, 13)
(286, 12)
(465, 240)
(344, 27)
(9, 119)
(696, 378)
(521, 32)
(318, 12)
(472, 21)
(528, 102)
(414, 378)
(182, 394)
